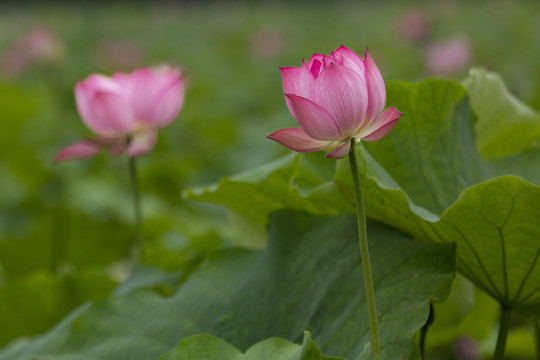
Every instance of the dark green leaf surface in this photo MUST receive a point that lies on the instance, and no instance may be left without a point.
(308, 278)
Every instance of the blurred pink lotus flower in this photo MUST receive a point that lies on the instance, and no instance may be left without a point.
(266, 43)
(39, 45)
(449, 56)
(125, 111)
(412, 25)
(465, 348)
(335, 98)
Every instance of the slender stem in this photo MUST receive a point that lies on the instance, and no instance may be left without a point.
(364, 251)
(503, 333)
(136, 249)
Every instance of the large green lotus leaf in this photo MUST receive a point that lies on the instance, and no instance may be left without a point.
(308, 278)
(505, 125)
(207, 347)
(426, 178)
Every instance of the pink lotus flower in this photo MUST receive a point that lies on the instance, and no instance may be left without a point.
(335, 98)
(449, 56)
(38, 45)
(413, 25)
(126, 110)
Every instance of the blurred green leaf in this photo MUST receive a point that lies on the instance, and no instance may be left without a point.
(467, 311)
(308, 278)
(206, 347)
(144, 277)
(505, 125)
(521, 344)
(32, 304)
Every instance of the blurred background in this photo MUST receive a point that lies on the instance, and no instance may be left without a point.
(66, 229)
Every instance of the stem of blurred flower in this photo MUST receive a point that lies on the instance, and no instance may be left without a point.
(503, 333)
(136, 249)
(364, 251)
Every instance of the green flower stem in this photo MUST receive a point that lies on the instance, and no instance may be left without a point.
(136, 249)
(364, 251)
(503, 333)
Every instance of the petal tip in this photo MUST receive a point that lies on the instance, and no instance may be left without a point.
(80, 150)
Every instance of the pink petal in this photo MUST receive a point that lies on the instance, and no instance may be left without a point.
(83, 95)
(376, 88)
(352, 61)
(98, 82)
(327, 60)
(343, 94)
(85, 92)
(142, 143)
(381, 127)
(296, 80)
(80, 150)
(340, 152)
(313, 119)
(111, 115)
(168, 102)
(142, 92)
(123, 80)
(336, 57)
(313, 58)
(156, 95)
(297, 140)
(316, 68)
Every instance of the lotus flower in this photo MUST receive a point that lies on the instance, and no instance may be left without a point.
(126, 110)
(449, 56)
(413, 25)
(335, 98)
(38, 45)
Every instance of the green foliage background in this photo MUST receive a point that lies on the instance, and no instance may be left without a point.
(65, 230)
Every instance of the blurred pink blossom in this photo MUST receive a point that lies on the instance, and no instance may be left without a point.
(39, 45)
(335, 98)
(465, 348)
(412, 25)
(449, 56)
(266, 43)
(126, 110)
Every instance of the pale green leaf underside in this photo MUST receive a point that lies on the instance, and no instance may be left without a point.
(207, 347)
(506, 124)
